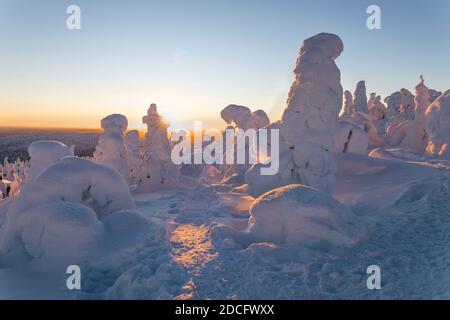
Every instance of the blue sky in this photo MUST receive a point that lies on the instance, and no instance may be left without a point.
(194, 57)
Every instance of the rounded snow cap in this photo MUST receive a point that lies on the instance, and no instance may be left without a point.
(115, 122)
(330, 44)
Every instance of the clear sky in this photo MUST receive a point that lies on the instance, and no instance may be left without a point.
(194, 57)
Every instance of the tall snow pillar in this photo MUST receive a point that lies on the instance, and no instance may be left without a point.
(312, 111)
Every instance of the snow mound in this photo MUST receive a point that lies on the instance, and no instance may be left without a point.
(297, 213)
(210, 175)
(44, 153)
(438, 126)
(59, 231)
(71, 184)
(349, 138)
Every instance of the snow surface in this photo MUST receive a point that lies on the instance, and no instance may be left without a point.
(403, 205)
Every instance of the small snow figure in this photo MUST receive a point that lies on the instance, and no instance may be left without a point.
(44, 153)
(133, 143)
(157, 171)
(111, 149)
(360, 98)
(438, 126)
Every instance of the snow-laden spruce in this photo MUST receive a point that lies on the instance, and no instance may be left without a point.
(308, 122)
(438, 126)
(44, 153)
(415, 133)
(111, 149)
(360, 98)
(398, 122)
(347, 107)
(297, 213)
(157, 171)
(134, 156)
(377, 110)
(57, 214)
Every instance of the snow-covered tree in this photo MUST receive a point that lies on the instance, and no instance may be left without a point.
(371, 100)
(377, 110)
(309, 120)
(438, 126)
(360, 98)
(348, 104)
(134, 156)
(416, 135)
(407, 103)
(157, 171)
(111, 149)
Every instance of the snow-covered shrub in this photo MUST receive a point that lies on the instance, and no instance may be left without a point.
(438, 126)
(111, 149)
(349, 138)
(297, 213)
(72, 192)
(158, 171)
(44, 153)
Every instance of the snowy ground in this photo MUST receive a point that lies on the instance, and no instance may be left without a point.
(403, 203)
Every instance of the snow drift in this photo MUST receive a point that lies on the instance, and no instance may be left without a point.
(297, 213)
(63, 206)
